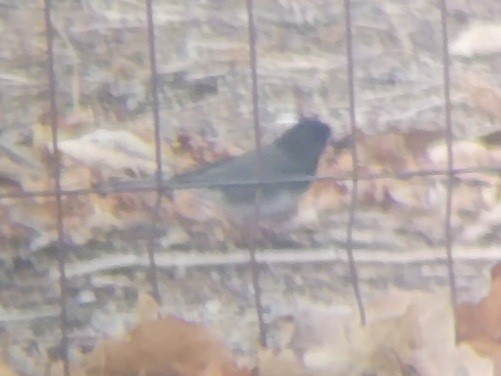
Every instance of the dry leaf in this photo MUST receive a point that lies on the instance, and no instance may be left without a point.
(492, 139)
(485, 224)
(167, 345)
(478, 39)
(147, 308)
(57, 369)
(488, 348)
(283, 363)
(474, 364)
(19, 165)
(384, 151)
(115, 150)
(195, 207)
(485, 97)
(483, 319)
(194, 150)
(466, 154)
(405, 330)
(69, 125)
(5, 370)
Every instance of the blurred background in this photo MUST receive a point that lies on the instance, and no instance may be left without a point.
(106, 131)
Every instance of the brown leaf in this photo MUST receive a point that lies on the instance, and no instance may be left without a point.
(483, 320)
(384, 151)
(57, 369)
(484, 96)
(164, 346)
(5, 370)
(283, 363)
(147, 308)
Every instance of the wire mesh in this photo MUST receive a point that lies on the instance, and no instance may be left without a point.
(354, 159)
(158, 151)
(355, 176)
(257, 201)
(60, 249)
(450, 157)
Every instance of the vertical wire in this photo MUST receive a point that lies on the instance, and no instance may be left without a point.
(354, 158)
(257, 135)
(60, 249)
(155, 215)
(450, 158)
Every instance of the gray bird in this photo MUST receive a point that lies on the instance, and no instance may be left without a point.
(283, 170)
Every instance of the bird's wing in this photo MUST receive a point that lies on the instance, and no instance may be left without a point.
(239, 169)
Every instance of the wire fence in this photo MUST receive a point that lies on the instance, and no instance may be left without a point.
(355, 176)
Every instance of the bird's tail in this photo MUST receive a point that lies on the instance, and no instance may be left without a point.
(137, 185)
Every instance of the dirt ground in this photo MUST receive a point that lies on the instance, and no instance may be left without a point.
(204, 82)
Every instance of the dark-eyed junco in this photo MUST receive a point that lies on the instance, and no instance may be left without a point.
(283, 170)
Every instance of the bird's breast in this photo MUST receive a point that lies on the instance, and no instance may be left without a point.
(275, 204)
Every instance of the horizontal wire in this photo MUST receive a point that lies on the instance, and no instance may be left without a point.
(108, 188)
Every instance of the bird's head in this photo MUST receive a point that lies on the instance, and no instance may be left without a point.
(305, 141)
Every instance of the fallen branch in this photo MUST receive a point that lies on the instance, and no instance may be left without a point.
(238, 258)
